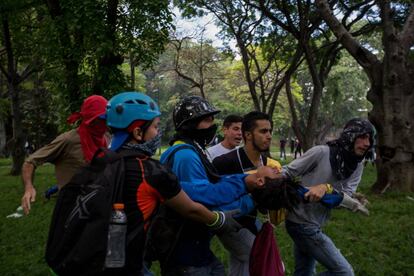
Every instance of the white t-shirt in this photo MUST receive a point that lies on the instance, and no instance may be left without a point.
(217, 150)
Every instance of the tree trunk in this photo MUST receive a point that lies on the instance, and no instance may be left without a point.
(393, 115)
(18, 140)
(13, 80)
(74, 96)
(295, 121)
(132, 67)
(2, 138)
(391, 94)
(109, 62)
(71, 63)
(250, 83)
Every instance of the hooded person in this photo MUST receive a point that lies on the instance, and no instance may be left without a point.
(332, 169)
(134, 120)
(70, 150)
(92, 126)
(193, 119)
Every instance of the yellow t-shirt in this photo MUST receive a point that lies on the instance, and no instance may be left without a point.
(275, 217)
(270, 163)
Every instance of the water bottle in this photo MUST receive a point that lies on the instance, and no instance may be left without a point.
(115, 251)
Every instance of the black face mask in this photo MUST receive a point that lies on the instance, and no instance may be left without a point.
(204, 136)
(341, 151)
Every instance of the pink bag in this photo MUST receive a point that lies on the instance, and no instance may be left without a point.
(265, 258)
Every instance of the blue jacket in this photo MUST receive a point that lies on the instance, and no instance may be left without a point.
(193, 247)
(227, 194)
(329, 200)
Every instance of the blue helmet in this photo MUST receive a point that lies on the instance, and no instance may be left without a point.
(127, 107)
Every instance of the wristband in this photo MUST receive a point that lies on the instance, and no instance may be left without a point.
(215, 221)
(329, 188)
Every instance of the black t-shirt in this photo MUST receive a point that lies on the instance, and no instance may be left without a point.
(234, 162)
(147, 183)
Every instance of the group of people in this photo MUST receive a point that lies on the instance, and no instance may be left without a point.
(207, 189)
(295, 148)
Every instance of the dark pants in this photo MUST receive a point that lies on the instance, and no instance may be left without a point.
(215, 268)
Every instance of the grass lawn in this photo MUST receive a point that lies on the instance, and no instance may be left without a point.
(381, 244)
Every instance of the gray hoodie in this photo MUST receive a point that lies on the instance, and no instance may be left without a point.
(314, 168)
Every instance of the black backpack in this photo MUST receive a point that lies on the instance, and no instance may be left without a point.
(166, 226)
(78, 231)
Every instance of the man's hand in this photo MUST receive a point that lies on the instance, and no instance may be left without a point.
(257, 180)
(28, 197)
(361, 198)
(225, 222)
(315, 193)
(353, 204)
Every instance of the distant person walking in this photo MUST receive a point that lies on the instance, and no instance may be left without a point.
(282, 144)
(292, 146)
(298, 148)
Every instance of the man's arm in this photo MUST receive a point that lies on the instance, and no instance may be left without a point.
(182, 204)
(194, 180)
(29, 195)
(316, 192)
(245, 204)
(304, 164)
(351, 184)
(48, 153)
(218, 221)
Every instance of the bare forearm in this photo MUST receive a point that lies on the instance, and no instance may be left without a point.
(27, 174)
(182, 204)
(29, 195)
(199, 213)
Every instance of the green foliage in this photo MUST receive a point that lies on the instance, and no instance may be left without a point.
(81, 44)
(38, 106)
(344, 95)
(346, 92)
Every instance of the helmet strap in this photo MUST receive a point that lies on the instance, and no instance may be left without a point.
(143, 125)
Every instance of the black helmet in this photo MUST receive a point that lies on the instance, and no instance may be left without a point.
(191, 108)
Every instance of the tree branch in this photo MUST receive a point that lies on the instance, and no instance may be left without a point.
(390, 38)
(193, 82)
(27, 72)
(364, 57)
(295, 121)
(266, 11)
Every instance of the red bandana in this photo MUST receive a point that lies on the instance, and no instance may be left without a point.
(92, 128)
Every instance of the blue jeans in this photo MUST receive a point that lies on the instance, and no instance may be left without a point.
(312, 245)
(239, 244)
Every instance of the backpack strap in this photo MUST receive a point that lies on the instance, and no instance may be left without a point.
(170, 158)
(104, 157)
(140, 157)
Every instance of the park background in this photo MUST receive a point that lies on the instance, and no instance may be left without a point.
(310, 65)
